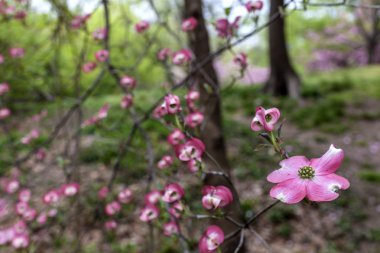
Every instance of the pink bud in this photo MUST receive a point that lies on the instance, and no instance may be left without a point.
(112, 208)
(153, 197)
(100, 34)
(4, 88)
(176, 209)
(70, 189)
(110, 225)
(194, 119)
(176, 137)
(173, 104)
(24, 195)
(102, 55)
(182, 56)
(163, 54)
(20, 241)
(51, 197)
(128, 82)
(126, 101)
(103, 192)
(189, 24)
(265, 119)
(16, 52)
(172, 193)
(216, 196)
(125, 196)
(170, 228)
(149, 213)
(241, 60)
(210, 241)
(192, 149)
(165, 162)
(88, 67)
(257, 5)
(4, 113)
(142, 26)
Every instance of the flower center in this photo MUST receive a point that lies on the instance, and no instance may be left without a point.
(306, 172)
(268, 117)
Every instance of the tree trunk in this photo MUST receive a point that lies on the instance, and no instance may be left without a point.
(283, 80)
(212, 131)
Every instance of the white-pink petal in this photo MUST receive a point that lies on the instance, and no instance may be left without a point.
(291, 191)
(329, 162)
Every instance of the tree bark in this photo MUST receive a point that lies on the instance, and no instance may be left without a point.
(212, 131)
(283, 80)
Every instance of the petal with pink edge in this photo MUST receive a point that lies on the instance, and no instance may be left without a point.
(290, 192)
(329, 162)
(275, 115)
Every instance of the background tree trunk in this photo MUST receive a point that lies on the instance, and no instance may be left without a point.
(212, 131)
(283, 80)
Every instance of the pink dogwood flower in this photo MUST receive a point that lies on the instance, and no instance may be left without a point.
(253, 6)
(164, 54)
(100, 34)
(176, 209)
(125, 196)
(182, 56)
(170, 228)
(88, 67)
(216, 196)
(1, 59)
(103, 192)
(153, 197)
(24, 195)
(176, 137)
(142, 26)
(21, 207)
(20, 241)
(265, 119)
(192, 149)
(225, 29)
(30, 214)
(173, 104)
(70, 189)
(172, 193)
(126, 101)
(12, 186)
(194, 119)
(51, 197)
(241, 60)
(190, 98)
(102, 55)
(79, 20)
(42, 218)
(41, 154)
(102, 114)
(4, 113)
(210, 241)
(4, 88)
(128, 82)
(110, 225)
(16, 52)
(314, 179)
(160, 111)
(194, 165)
(189, 24)
(149, 213)
(165, 162)
(112, 208)
(33, 134)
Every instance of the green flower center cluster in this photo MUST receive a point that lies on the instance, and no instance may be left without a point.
(306, 172)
